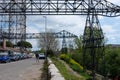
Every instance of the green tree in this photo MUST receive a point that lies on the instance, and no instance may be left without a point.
(8, 44)
(24, 44)
(93, 47)
(112, 58)
(64, 50)
(77, 53)
(78, 42)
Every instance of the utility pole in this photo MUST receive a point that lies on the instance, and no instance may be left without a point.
(45, 37)
(46, 48)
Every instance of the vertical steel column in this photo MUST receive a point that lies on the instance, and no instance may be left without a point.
(64, 45)
(92, 40)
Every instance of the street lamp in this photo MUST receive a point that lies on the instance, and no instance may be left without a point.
(45, 37)
(46, 45)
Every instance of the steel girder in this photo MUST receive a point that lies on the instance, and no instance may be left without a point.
(65, 34)
(61, 34)
(12, 23)
(59, 7)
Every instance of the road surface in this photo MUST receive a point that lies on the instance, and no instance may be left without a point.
(26, 69)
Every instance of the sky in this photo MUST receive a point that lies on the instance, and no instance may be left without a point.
(74, 24)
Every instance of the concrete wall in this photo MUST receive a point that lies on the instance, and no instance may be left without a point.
(55, 74)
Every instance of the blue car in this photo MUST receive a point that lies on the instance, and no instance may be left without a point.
(4, 58)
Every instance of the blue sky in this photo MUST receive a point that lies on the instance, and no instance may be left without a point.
(75, 25)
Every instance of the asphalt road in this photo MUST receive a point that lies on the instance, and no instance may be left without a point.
(20, 70)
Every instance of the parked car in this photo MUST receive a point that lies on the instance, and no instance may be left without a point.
(20, 56)
(42, 56)
(12, 57)
(15, 57)
(4, 58)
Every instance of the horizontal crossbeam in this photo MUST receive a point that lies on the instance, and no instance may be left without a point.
(61, 34)
(58, 7)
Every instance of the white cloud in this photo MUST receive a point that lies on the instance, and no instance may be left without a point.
(111, 33)
(115, 1)
(108, 29)
(74, 24)
(34, 43)
(100, 17)
(32, 30)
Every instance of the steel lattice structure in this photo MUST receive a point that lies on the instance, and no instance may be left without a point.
(58, 7)
(91, 8)
(12, 23)
(62, 34)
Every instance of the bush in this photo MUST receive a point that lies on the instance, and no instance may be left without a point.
(89, 78)
(65, 57)
(64, 71)
(70, 61)
(76, 68)
(73, 62)
(74, 65)
(77, 57)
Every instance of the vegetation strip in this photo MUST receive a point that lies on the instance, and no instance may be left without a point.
(75, 66)
(64, 71)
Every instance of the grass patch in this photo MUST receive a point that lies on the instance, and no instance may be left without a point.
(64, 71)
(81, 72)
(75, 66)
(45, 75)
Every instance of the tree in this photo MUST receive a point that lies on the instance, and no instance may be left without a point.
(24, 44)
(93, 47)
(77, 54)
(8, 44)
(78, 42)
(64, 50)
(112, 58)
(48, 41)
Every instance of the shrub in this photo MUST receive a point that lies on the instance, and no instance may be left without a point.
(64, 71)
(69, 60)
(74, 65)
(77, 57)
(73, 62)
(65, 57)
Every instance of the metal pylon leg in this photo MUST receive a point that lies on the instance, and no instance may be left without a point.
(93, 43)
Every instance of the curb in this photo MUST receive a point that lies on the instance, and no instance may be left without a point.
(54, 72)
